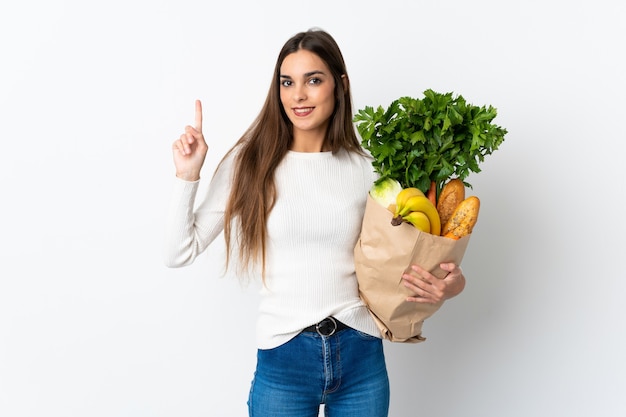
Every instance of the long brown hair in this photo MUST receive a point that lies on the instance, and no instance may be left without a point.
(267, 140)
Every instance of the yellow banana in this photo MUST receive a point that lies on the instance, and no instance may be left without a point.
(404, 195)
(423, 204)
(414, 203)
(418, 219)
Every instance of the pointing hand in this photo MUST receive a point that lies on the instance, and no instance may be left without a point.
(190, 149)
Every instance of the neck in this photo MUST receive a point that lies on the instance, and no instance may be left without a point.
(309, 143)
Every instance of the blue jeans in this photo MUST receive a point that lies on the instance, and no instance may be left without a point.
(346, 372)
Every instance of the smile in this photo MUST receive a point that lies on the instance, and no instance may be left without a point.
(303, 111)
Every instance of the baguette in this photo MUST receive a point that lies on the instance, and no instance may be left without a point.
(451, 196)
(463, 219)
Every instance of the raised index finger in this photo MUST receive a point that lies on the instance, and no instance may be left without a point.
(198, 124)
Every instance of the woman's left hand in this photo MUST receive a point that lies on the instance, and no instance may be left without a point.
(431, 290)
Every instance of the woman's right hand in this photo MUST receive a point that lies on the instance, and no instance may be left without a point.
(190, 149)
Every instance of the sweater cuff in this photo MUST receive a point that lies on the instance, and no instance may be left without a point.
(184, 191)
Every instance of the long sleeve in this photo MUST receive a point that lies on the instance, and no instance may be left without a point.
(312, 230)
(189, 229)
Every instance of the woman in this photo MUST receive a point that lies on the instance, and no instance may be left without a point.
(289, 197)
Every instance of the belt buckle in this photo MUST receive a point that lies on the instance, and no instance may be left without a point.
(322, 327)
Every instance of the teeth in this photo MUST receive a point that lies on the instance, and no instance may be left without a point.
(300, 112)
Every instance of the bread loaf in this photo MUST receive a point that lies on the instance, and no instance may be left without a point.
(463, 219)
(452, 193)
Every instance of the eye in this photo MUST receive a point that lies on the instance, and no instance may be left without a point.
(315, 81)
(286, 83)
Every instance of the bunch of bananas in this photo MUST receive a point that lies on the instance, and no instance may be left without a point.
(414, 207)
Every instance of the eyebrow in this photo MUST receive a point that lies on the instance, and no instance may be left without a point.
(308, 74)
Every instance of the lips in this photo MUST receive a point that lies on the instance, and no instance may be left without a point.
(302, 111)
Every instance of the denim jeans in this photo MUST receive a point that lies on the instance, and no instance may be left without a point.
(346, 372)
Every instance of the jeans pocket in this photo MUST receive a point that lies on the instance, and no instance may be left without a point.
(365, 336)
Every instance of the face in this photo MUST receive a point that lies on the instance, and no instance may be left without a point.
(307, 93)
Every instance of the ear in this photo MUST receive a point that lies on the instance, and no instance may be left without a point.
(346, 83)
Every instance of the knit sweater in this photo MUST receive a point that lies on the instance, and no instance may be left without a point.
(312, 230)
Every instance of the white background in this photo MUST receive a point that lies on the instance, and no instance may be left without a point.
(92, 94)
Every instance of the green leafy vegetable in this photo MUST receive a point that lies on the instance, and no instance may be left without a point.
(385, 191)
(416, 141)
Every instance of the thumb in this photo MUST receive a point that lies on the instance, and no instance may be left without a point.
(448, 266)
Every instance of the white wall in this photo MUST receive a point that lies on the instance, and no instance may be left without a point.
(92, 95)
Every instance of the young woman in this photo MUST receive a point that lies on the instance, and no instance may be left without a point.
(289, 197)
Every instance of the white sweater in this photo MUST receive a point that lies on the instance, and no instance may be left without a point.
(312, 231)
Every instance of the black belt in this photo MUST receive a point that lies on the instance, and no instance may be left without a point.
(327, 327)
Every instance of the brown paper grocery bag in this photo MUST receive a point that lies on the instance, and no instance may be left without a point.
(382, 254)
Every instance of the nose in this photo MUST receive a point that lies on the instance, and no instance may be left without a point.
(299, 93)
